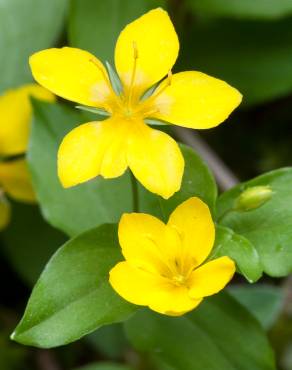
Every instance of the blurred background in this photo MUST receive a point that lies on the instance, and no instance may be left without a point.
(247, 43)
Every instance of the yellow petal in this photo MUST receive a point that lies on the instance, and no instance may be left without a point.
(132, 283)
(156, 161)
(155, 41)
(196, 100)
(15, 113)
(5, 212)
(92, 149)
(16, 181)
(71, 73)
(173, 301)
(211, 277)
(145, 289)
(148, 243)
(193, 222)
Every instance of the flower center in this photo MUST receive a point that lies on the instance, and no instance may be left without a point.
(179, 279)
(179, 271)
(128, 104)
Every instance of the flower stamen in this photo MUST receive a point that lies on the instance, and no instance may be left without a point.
(135, 56)
(167, 84)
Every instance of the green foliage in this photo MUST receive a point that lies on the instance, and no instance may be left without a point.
(267, 227)
(73, 296)
(95, 25)
(219, 335)
(84, 206)
(253, 9)
(264, 301)
(29, 238)
(26, 26)
(110, 341)
(238, 248)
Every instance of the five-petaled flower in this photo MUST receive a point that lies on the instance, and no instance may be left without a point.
(15, 113)
(145, 53)
(163, 268)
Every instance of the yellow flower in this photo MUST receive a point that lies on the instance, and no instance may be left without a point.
(145, 52)
(15, 113)
(163, 268)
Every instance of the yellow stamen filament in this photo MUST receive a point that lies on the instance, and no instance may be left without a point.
(135, 56)
(167, 84)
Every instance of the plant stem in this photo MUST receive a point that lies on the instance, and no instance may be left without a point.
(135, 193)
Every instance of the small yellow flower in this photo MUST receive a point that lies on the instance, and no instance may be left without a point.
(15, 116)
(163, 268)
(145, 53)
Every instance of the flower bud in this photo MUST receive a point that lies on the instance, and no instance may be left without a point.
(253, 198)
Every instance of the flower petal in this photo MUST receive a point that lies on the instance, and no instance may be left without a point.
(5, 212)
(196, 100)
(211, 277)
(147, 242)
(145, 289)
(193, 222)
(15, 112)
(15, 180)
(173, 301)
(156, 43)
(156, 161)
(92, 149)
(73, 74)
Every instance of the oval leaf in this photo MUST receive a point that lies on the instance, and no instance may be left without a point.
(264, 301)
(239, 249)
(267, 227)
(73, 296)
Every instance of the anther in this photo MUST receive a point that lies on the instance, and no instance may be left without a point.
(135, 49)
(169, 77)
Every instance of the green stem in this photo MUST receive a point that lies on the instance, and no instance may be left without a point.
(135, 193)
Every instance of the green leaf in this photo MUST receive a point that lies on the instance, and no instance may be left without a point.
(95, 25)
(82, 207)
(264, 301)
(110, 341)
(197, 181)
(268, 227)
(230, 51)
(26, 27)
(73, 296)
(29, 248)
(249, 9)
(239, 249)
(219, 335)
(105, 366)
